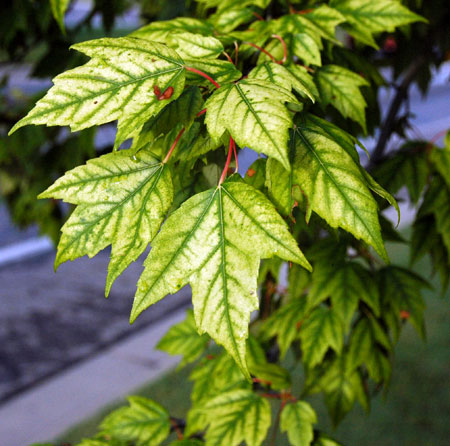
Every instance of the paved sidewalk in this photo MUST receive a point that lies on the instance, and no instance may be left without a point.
(49, 321)
(50, 408)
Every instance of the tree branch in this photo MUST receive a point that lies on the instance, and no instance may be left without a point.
(388, 125)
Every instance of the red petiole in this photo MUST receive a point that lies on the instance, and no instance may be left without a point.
(227, 164)
(169, 153)
(201, 73)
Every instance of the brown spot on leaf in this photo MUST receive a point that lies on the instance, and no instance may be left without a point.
(251, 172)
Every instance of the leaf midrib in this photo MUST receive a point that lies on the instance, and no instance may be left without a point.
(344, 196)
(93, 95)
(112, 210)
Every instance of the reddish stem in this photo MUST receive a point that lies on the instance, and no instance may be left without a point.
(276, 36)
(259, 17)
(176, 428)
(200, 73)
(201, 112)
(261, 381)
(228, 57)
(227, 164)
(260, 49)
(235, 157)
(236, 52)
(169, 153)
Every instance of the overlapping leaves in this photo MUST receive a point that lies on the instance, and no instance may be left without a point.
(117, 83)
(144, 422)
(336, 190)
(254, 114)
(215, 241)
(122, 202)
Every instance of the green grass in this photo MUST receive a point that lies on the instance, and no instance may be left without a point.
(415, 411)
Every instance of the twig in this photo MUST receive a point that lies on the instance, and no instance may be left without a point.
(388, 125)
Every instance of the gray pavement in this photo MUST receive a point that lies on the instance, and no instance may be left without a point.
(49, 322)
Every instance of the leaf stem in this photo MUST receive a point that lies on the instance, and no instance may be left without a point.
(176, 427)
(228, 57)
(227, 164)
(261, 49)
(201, 73)
(201, 112)
(283, 60)
(169, 153)
(236, 52)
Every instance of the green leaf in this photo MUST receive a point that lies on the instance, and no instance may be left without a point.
(160, 31)
(190, 45)
(297, 420)
(401, 290)
(366, 17)
(441, 160)
(341, 385)
(117, 83)
(237, 416)
(363, 341)
(408, 166)
(301, 45)
(122, 202)
(281, 186)
(187, 442)
(321, 330)
(281, 76)
(181, 111)
(254, 114)
(195, 143)
(346, 284)
(335, 187)
(216, 375)
(183, 339)
(285, 323)
(59, 8)
(229, 18)
(341, 88)
(442, 214)
(277, 377)
(144, 422)
(221, 71)
(318, 23)
(325, 440)
(215, 241)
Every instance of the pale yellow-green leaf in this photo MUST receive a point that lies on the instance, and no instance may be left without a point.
(297, 420)
(215, 241)
(144, 422)
(222, 71)
(340, 87)
(364, 18)
(335, 187)
(237, 416)
(281, 76)
(189, 45)
(117, 83)
(183, 339)
(160, 30)
(122, 202)
(254, 113)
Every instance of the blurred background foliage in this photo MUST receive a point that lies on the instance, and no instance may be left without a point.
(32, 46)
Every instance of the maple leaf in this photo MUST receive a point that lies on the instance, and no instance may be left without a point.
(215, 241)
(117, 83)
(122, 202)
(252, 110)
